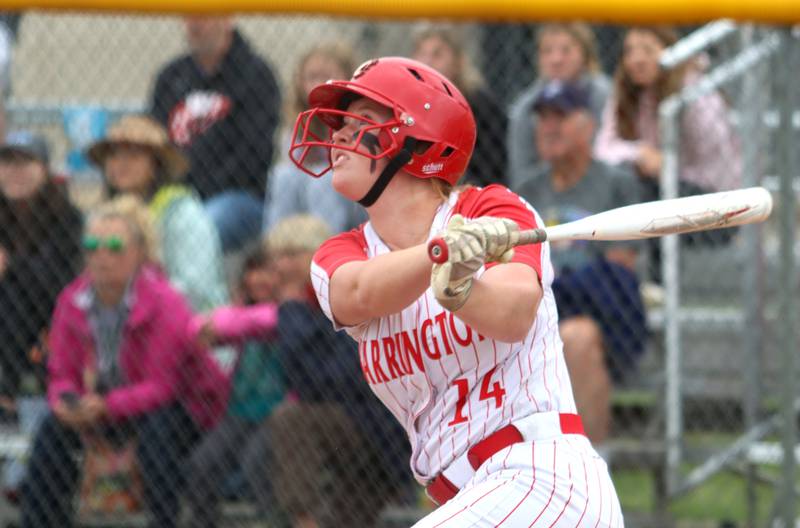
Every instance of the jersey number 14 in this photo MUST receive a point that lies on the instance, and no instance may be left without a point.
(488, 390)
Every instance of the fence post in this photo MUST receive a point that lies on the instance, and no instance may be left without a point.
(752, 97)
(785, 89)
(669, 114)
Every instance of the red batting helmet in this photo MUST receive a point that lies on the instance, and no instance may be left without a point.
(426, 107)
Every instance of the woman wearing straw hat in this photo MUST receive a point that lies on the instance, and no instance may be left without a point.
(137, 157)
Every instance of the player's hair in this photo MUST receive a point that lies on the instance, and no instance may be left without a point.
(337, 52)
(297, 234)
(580, 33)
(467, 79)
(442, 188)
(627, 93)
(136, 216)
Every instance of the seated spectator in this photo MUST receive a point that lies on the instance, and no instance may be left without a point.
(39, 249)
(566, 52)
(221, 104)
(709, 151)
(337, 455)
(709, 160)
(441, 47)
(120, 365)
(241, 440)
(137, 157)
(601, 314)
(289, 190)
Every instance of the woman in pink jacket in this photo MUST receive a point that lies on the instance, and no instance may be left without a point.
(121, 366)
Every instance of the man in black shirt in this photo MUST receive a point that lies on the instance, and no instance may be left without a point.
(221, 104)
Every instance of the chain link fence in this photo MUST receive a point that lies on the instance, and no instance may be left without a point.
(230, 424)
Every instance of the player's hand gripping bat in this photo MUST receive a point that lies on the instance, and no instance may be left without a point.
(701, 212)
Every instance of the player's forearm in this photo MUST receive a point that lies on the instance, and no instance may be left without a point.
(503, 303)
(380, 286)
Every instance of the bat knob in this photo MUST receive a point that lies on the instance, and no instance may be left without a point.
(438, 251)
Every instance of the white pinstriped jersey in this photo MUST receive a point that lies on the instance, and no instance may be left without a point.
(449, 386)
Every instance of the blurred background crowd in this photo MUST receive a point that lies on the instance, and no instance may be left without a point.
(146, 189)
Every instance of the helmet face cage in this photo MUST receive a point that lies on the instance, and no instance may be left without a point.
(309, 130)
(426, 106)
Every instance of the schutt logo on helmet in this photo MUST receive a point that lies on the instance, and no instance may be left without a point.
(432, 168)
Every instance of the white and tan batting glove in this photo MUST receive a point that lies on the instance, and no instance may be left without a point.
(452, 281)
(498, 236)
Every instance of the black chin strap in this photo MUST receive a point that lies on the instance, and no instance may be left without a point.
(395, 164)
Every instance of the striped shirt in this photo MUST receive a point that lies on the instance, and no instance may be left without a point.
(449, 386)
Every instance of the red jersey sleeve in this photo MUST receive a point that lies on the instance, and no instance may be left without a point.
(341, 249)
(498, 201)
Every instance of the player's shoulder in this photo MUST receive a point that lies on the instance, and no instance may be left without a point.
(473, 202)
(341, 248)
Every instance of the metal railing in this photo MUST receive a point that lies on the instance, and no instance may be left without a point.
(748, 67)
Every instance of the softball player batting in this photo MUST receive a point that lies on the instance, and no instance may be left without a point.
(466, 354)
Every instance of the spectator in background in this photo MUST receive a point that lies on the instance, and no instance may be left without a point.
(601, 313)
(120, 365)
(241, 441)
(442, 48)
(289, 190)
(709, 151)
(566, 52)
(137, 157)
(221, 104)
(39, 250)
(710, 159)
(337, 450)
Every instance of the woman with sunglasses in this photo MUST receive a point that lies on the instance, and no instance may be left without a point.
(137, 157)
(121, 365)
(466, 353)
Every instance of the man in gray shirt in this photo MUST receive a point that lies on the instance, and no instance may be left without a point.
(602, 319)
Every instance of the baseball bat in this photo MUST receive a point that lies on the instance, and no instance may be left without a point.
(700, 212)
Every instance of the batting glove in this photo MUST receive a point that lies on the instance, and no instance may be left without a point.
(452, 281)
(498, 236)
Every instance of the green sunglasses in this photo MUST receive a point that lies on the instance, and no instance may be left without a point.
(113, 243)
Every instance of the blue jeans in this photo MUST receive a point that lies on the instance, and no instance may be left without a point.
(164, 438)
(238, 216)
(609, 294)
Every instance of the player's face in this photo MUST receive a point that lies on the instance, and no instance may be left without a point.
(560, 57)
(640, 55)
(438, 54)
(353, 175)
